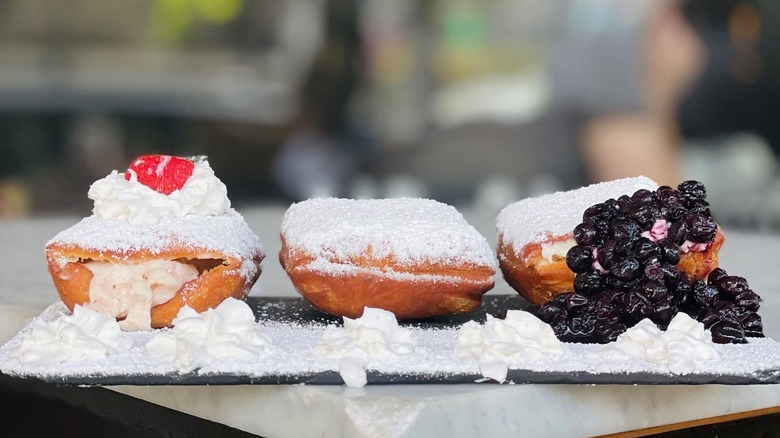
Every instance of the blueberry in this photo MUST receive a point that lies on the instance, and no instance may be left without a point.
(599, 212)
(646, 248)
(678, 232)
(603, 310)
(708, 317)
(673, 201)
(643, 196)
(693, 189)
(547, 312)
(673, 277)
(626, 269)
(638, 306)
(586, 234)
(699, 206)
(608, 255)
(753, 326)
(730, 311)
(705, 294)
(653, 270)
(715, 275)
(663, 312)
(656, 291)
(643, 214)
(614, 283)
(701, 229)
(727, 332)
(613, 296)
(588, 283)
(748, 300)
(581, 327)
(607, 331)
(731, 285)
(625, 204)
(670, 252)
(579, 258)
(560, 327)
(575, 302)
(624, 230)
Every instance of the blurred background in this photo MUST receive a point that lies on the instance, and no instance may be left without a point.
(470, 102)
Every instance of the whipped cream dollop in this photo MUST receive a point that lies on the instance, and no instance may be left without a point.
(84, 335)
(500, 343)
(118, 198)
(376, 335)
(684, 346)
(199, 340)
(130, 291)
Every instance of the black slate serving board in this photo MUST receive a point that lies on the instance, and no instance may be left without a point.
(297, 310)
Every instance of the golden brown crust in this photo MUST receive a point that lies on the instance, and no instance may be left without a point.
(420, 291)
(539, 281)
(221, 276)
(699, 264)
(536, 279)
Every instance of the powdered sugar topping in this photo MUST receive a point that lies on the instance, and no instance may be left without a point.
(410, 230)
(533, 220)
(226, 234)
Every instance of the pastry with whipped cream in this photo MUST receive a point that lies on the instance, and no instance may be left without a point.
(416, 258)
(162, 235)
(535, 235)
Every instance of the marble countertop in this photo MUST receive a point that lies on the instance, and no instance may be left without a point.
(413, 410)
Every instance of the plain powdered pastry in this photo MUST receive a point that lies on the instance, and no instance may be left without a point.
(414, 257)
(162, 236)
(535, 235)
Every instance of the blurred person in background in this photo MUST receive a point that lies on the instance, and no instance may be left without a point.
(319, 155)
(454, 96)
(647, 140)
(547, 95)
(739, 88)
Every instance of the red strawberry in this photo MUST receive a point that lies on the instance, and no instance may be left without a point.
(162, 173)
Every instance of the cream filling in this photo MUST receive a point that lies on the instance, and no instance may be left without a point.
(130, 291)
(557, 250)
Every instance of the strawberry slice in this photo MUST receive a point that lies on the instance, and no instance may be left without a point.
(162, 173)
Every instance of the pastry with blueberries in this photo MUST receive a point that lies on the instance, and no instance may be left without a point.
(650, 255)
(162, 236)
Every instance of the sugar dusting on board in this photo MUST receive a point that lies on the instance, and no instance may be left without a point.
(534, 219)
(410, 230)
(290, 353)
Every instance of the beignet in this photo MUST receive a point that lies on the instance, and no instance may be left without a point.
(416, 258)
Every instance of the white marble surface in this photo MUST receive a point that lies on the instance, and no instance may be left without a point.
(413, 410)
